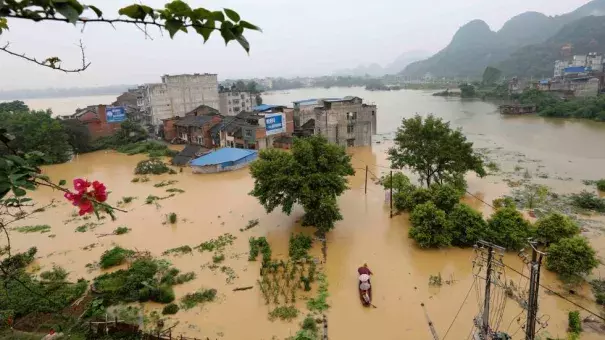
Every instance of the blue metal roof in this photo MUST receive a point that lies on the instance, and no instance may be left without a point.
(544, 81)
(222, 155)
(264, 107)
(576, 69)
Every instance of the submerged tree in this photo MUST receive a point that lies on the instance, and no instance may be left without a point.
(312, 175)
(571, 258)
(433, 150)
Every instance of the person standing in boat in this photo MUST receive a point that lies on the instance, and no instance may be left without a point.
(364, 270)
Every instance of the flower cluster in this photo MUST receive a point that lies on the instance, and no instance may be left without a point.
(84, 198)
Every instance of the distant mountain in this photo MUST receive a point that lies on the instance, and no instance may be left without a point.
(376, 70)
(475, 46)
(584, 35)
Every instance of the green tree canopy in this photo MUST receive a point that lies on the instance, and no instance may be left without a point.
(313, 175)
(430, 227)
(554, 227)
(78, 135)
(433, 150)
(507, 228)
(14, 106)
(571, 258)
(491, 75)
(467, 91)
(37, 131)
(467, 225)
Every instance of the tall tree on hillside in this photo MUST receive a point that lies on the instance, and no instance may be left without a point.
(14, 106)
(312, 175)
(433, 150)
(491, 75)
(176, 16)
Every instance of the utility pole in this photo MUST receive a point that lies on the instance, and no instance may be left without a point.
(391, 200)
(488, 284)
(534, 286)
(485, 252)
(366, 189)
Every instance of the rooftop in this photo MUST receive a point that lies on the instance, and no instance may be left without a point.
(222, 156)
(196, 121)
(265, 107)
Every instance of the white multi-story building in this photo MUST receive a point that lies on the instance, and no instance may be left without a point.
(592, 60)
(233, 102)
(179, 94)
(595, 61)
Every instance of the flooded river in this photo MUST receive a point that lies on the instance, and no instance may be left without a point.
(568, 151)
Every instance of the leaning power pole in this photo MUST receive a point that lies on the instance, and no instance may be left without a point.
(534, 286)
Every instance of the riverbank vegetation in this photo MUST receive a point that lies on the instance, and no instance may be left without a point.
(551, 106)
(313, 175)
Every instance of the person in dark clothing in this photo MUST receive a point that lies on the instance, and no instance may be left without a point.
(364, 270)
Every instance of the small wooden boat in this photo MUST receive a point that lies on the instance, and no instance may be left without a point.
(363, 301)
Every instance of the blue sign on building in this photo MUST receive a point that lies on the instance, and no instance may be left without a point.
(115, 114)
(275, 123)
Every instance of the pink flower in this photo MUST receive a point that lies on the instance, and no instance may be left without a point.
(81, 185)
(86, 207)
(69, 196)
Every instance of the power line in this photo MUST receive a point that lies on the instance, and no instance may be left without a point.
(560, 295)
(459, 309)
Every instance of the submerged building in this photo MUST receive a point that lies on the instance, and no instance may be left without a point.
(225, 159)
(344, 121)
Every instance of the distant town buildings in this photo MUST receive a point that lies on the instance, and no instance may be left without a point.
(256, 130)
(179, 94)
(579, 76)
(344, 121)
(232, 101)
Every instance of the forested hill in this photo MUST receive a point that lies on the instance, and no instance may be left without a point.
(585, 35)
(475, 46)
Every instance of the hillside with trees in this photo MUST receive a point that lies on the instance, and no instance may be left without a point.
(475, 46)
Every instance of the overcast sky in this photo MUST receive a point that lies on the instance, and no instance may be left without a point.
(300, 37)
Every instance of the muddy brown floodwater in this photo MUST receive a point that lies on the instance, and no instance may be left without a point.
(219, 203)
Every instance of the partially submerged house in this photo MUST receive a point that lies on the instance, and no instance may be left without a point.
(225, 159)
(344, 121)
(187, 154)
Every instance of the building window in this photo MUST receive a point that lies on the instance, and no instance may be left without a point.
(236, 109)
(350, 142)
(230, 109)
(248, 133)
(229, 102)
(200, 140)
(184, 136)
(373, 113)
(350, 128)
(351, 116)
(242, 96)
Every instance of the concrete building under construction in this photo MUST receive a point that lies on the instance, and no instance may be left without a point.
(344, 121)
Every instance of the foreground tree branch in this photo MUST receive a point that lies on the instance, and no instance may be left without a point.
(176, 16)
(51, 62)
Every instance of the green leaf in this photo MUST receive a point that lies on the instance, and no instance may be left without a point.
(66, 10)
(172, 26)
(24, 200)
(133, 11)
(206, 30)
(217, 16)
(201, 13)
(62, 182)
(179, 8)
(96, 10)
(249, 26)
(19, 192)
(16, 177)
(227, 34)
(242, 41)
(232, 14)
